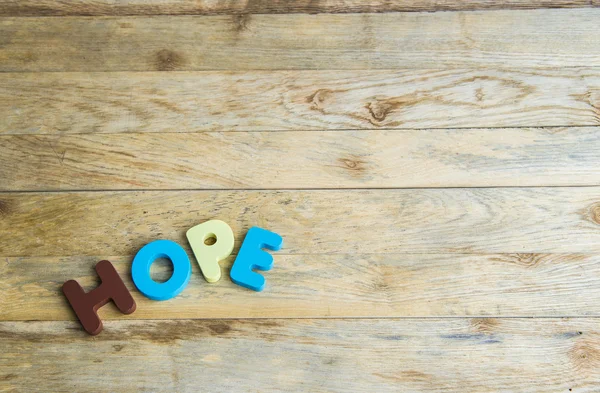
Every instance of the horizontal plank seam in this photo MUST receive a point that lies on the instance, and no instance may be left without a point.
(332, 254)
(283, 253)
(351, 10)
(239, 70)
(400, 129)
(520, 70)
(130, 319)
(56, 191)
(292, 12)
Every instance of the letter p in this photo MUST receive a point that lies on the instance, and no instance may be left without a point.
(208, 256)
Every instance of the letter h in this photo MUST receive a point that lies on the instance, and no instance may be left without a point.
(86, 305)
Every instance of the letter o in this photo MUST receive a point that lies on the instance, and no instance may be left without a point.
(140, 270)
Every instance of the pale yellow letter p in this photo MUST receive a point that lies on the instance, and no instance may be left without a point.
(208, 256)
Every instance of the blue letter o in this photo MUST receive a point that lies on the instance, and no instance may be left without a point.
(140, 270)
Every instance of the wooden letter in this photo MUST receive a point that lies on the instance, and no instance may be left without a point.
(86, 305)
(140, 270)
(252, 256)
(208, 256)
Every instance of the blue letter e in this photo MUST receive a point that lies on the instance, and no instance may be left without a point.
(251, 256)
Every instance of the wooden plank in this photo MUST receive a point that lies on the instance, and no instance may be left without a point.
(330, 286)
(389, 355)
(533, 38)
(300, 160)
(489, 220)
(60, 103)
(208, 7)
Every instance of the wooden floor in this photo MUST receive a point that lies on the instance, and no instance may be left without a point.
(433, 167)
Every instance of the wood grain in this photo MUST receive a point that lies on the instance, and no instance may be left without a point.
(533, 39)
(435, 177)
(389, 355)
(211, 7)
(301, 160)
(490, 220)
(61, 103)
(330, 286)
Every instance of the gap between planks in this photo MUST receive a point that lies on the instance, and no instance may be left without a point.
(184, 7)
(41, 192)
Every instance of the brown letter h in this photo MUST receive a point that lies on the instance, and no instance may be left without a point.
(86, 305)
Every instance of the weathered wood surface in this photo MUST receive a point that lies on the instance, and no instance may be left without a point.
(487, 220)
(300, 160)
(533, 38)
(61, 103)
(455, 123)
(383, 355)
(211, 7)
(330, 286)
